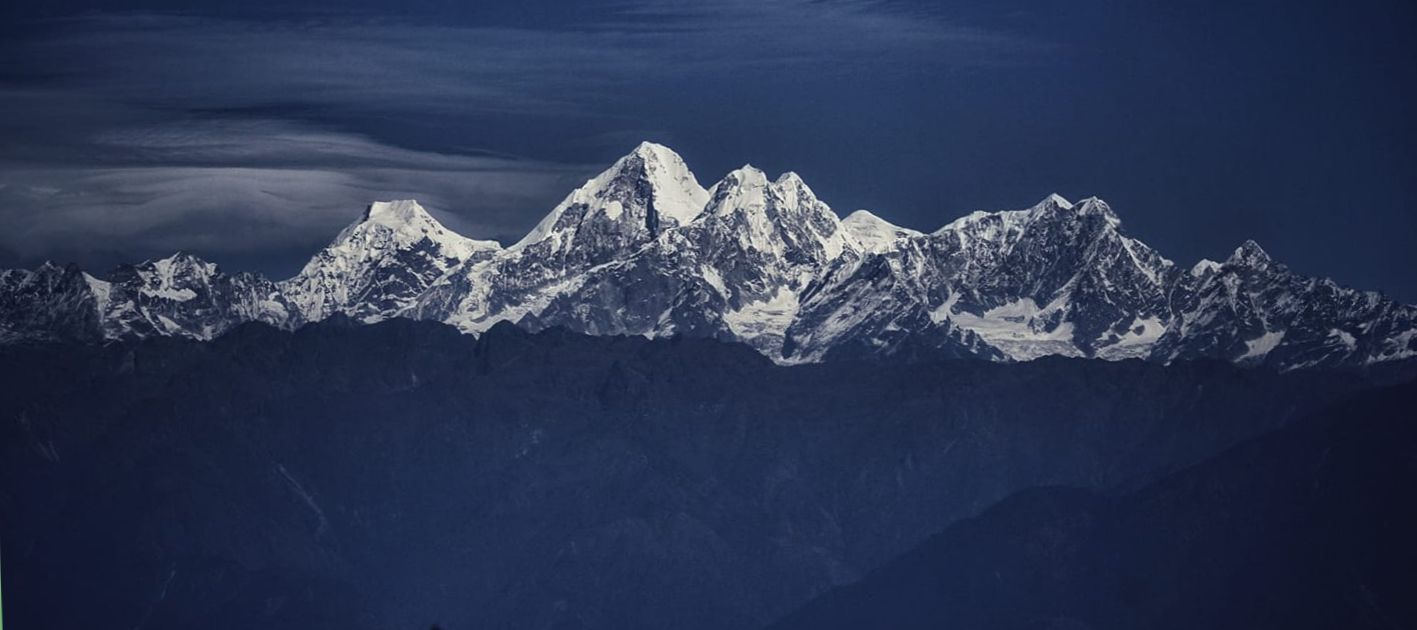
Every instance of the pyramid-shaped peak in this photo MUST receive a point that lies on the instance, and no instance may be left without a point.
(1055, 208)
(1249, 253)
(1093, 205)
(178, 256)
(1204, 267)
(652, 162)
(872, 232)
(651, 178)
(790, 178)
(396, 214)
(407, 223)
(184, 258)
(178, 262)
(747, 174)
(790, 184)
(1057, 200)
(656, 151)
(864, 217)
(745, 185)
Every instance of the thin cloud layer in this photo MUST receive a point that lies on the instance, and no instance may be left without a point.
(236, 188)
(135, 134)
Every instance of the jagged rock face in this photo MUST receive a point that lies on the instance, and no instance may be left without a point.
(734, 273)
(873, 233)
(881, 306)
(378, 267)
(643, 194)
(49, 303)
(374, 269)
(184, 296)
(181, 295)
(1253, 310)
(608, 219)
(1054, 279)
(643, 249)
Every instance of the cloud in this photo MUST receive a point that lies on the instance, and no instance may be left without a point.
(230, 188)
(135, 134)
(394, 66)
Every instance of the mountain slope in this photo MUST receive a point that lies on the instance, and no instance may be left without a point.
(610, 217)
(271, 478)
(181, 296)
(1306, 528)
(734, 273)
(1253, 310)
(1056, 279)
(184, 296)
(873, 233)
(49, 303)
(378, 266)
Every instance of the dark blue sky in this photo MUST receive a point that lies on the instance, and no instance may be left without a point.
(250, 132)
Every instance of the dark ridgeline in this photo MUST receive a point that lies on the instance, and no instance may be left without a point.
(352, 476)
(1308, 527)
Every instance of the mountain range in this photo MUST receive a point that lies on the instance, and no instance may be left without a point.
(644, 249)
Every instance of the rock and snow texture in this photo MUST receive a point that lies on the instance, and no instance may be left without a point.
(874, 234)
(644, 249)
(377, 267)
(605, 222)
(735, 272)
(184, 296)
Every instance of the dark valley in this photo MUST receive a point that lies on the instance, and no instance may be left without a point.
(401, 474)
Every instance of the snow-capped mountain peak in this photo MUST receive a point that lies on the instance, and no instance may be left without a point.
(743, 188)
(1204, 267)
(781, 218)
(397, 214)
(380, 264)
(405, 223)
(873, 233)
(640, 195)
(1008, 224)
(791, 180)
(1058, 200)
(179, 264)
(1249, 254)
(1094, 206)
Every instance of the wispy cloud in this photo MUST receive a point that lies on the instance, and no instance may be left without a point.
(143, 133)
(400, 66)
(237, 187)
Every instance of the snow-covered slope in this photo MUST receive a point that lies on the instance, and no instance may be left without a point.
(180, 295)
(1251, 309)
(646, 192)
(735, 272)
(643, 249)
(1056, 279)
(184, 296)
(874, 234)
(608, 219)
(378, 266)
